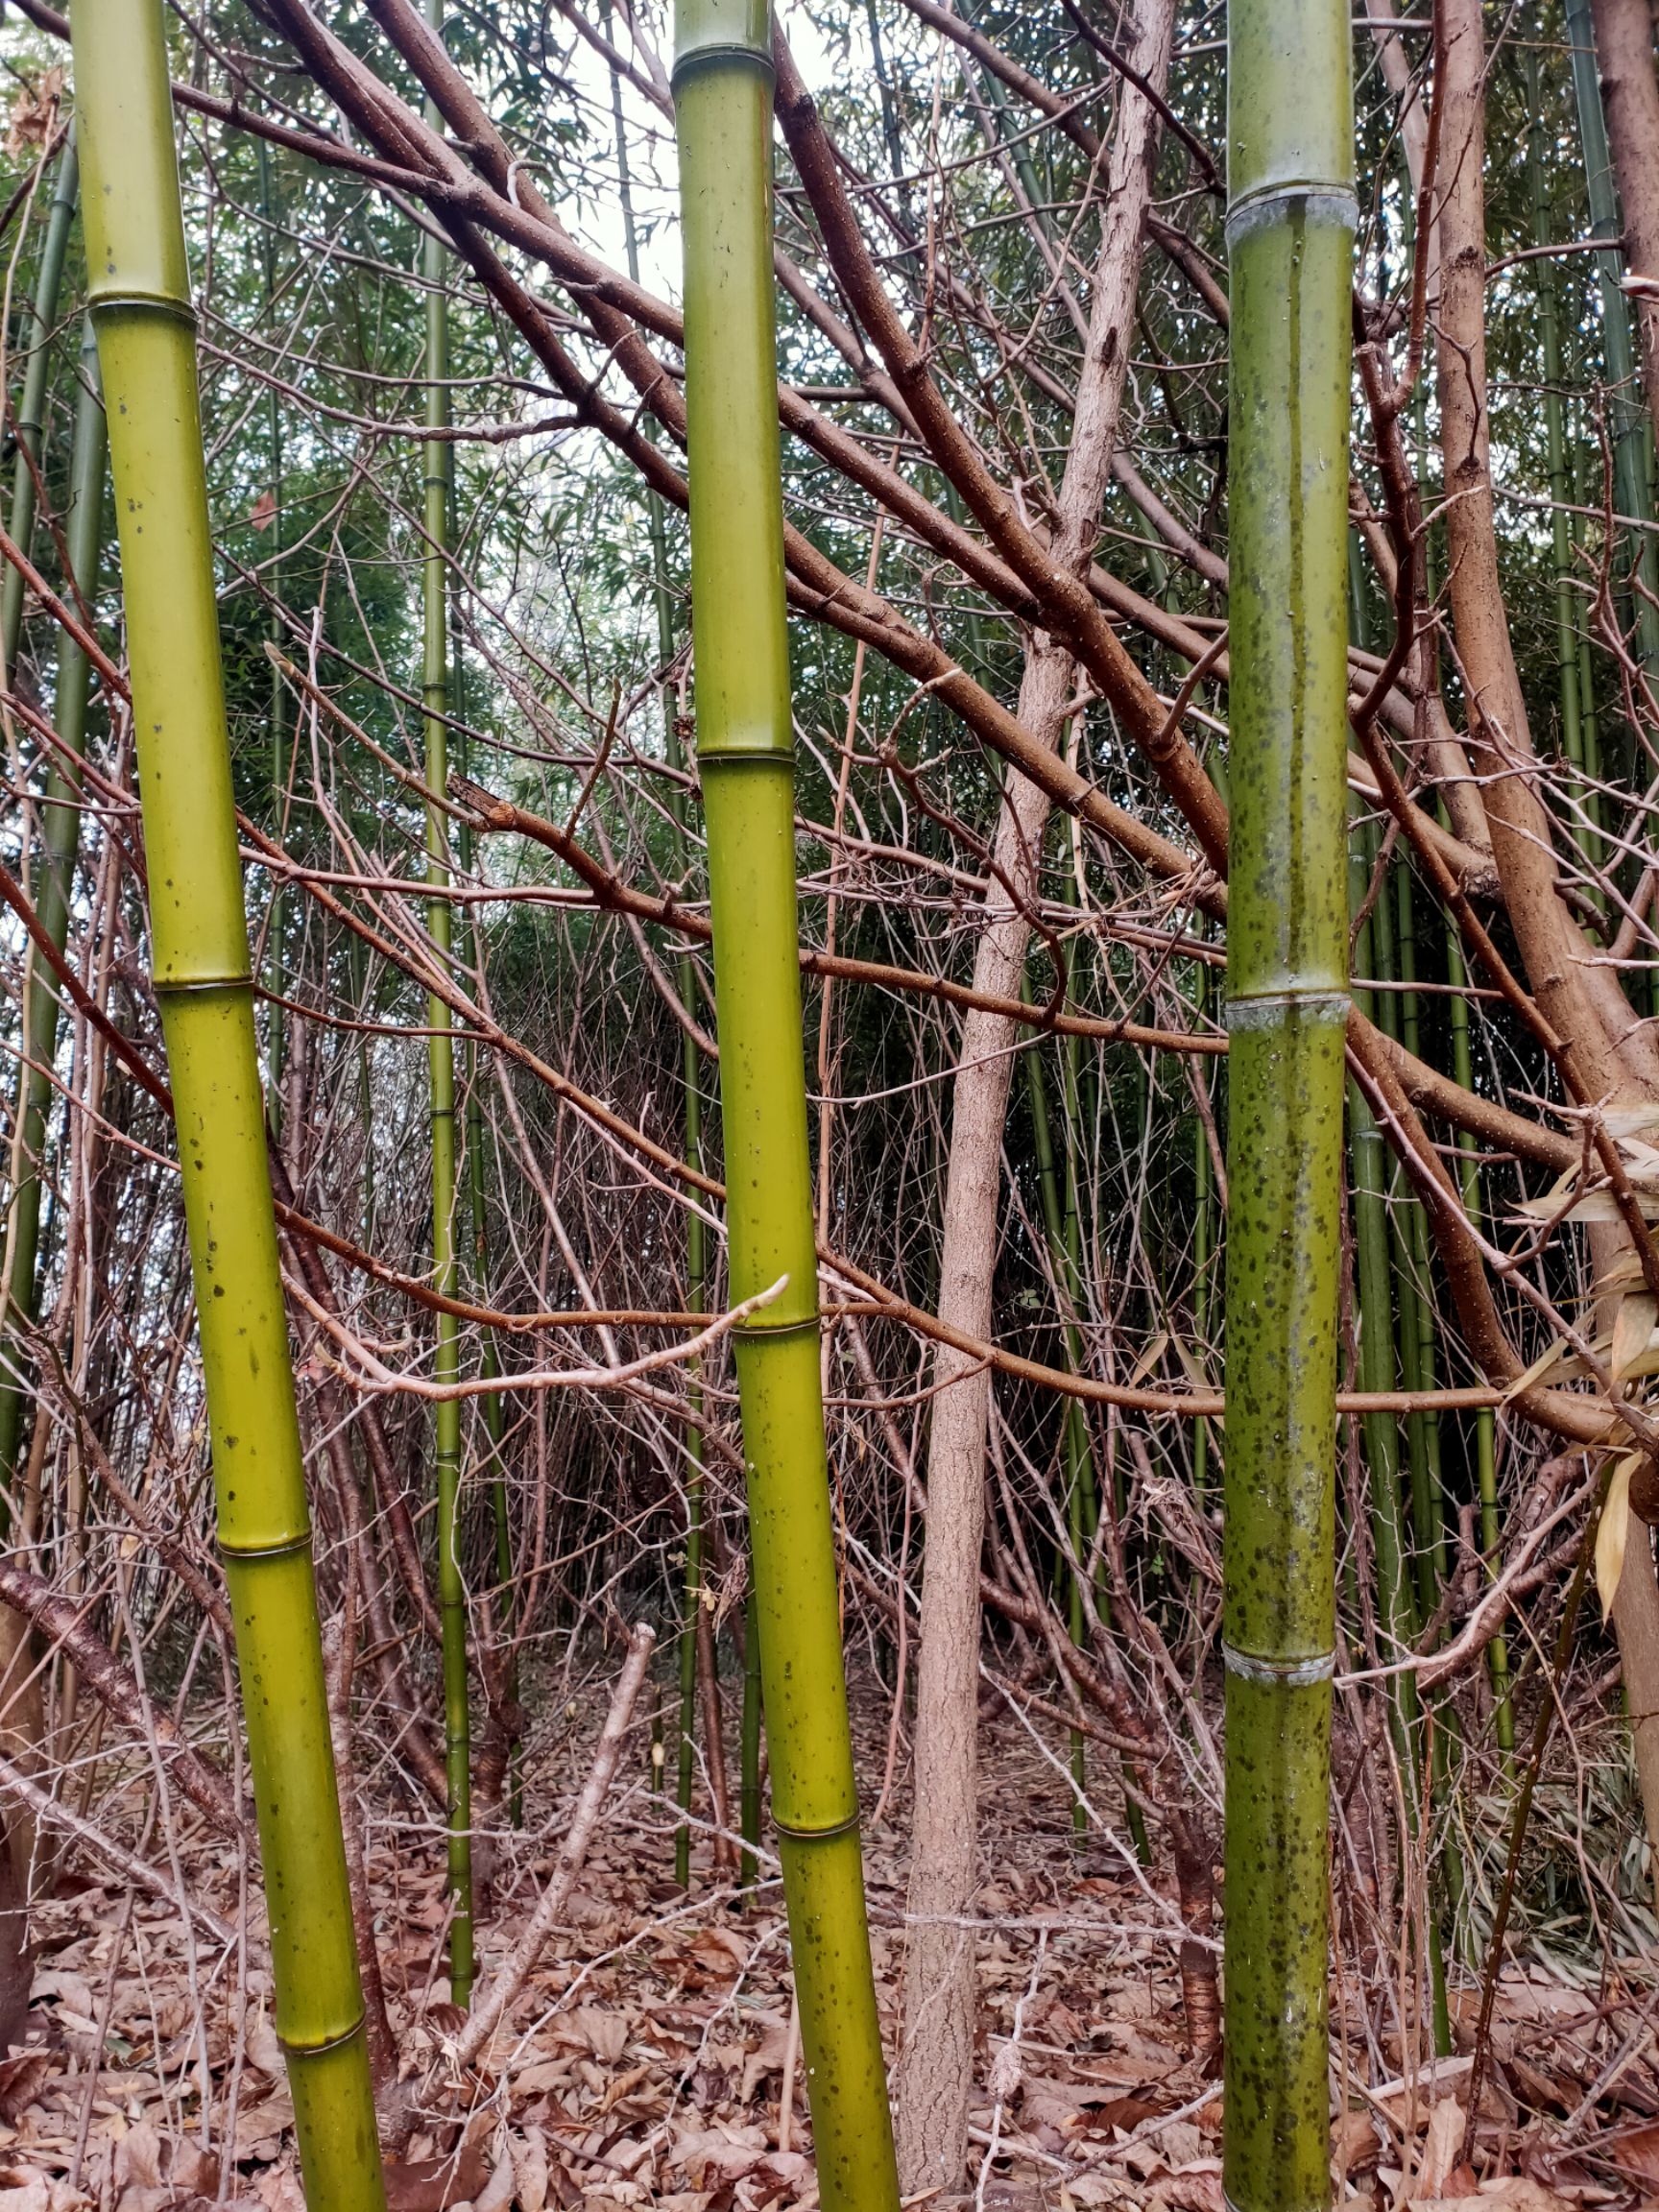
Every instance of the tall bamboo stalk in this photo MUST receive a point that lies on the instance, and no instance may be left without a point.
(489, 1356)
(723, 103)
(1486, 1421)
(31, 417)
(1417, 1352)
(1059, 1219)
(1555, 430)
(139, 290)
(441, 1074)
(275, 1026)
(1626, 419)
(1203, 1230)
(1290, 236)
(1377, 1279)
(59, 837)
(749, 1751)
(691, 1081)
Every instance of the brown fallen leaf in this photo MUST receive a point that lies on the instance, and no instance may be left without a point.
(1637, 2154)
(1125, 2112)
(1353, 2144)
(592, 2028)
(530, 2169)
(34, 112)
(434, 2184)
(720, 1952)
(768, 2056)
(263, 512)
(726, 2152)
(1194, 2188)
(1510, 2193)
(21, 2080)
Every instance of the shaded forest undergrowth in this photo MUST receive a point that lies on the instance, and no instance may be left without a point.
(648, 2059)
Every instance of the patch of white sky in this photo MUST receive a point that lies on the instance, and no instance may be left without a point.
(592, 208)
(597, 219)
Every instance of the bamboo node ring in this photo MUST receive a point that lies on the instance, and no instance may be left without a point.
(1289, 1674)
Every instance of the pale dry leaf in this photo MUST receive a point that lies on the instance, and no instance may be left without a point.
(278, 2189)
(1441, 2143)
(536, 2080)
(1197, 2188)
(1599, 1206)
(1151, 1358)
(1557, 1356)
(593, 2028)
(138, 2157)
(728, 2152)
(1614, 1533)
(1633, 1326)
(1630, 1121)
(496, 2194)
(530, 2169)
(1006, 2074)
(261, 2048)
(264, 2122)
(769, 2054)
(70, 1990)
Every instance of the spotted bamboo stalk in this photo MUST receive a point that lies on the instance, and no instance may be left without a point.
(1290, 239)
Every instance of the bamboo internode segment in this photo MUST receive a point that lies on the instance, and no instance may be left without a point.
(1290, 233)
(139, 283)
(723, 102)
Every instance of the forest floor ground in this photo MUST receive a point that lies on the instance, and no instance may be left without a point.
(644, 2063)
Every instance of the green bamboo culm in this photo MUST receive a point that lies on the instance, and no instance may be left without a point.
(1290, 238)
(60, 837)
(1486, 1421)
(139, 295)
(1625, 420)
(440, 1067)
(1555, 422)
(1059, 1195)
(723, 103)
(1060, 1220)
(276, 1027)
(1376, 1282)
(691, 1077)
(696, 1296)
(31, 417)
(749, 1749)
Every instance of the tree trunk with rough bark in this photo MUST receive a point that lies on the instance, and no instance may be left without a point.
(1583, 1002)
(935, 2068)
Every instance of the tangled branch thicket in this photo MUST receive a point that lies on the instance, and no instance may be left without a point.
(1005, 416)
